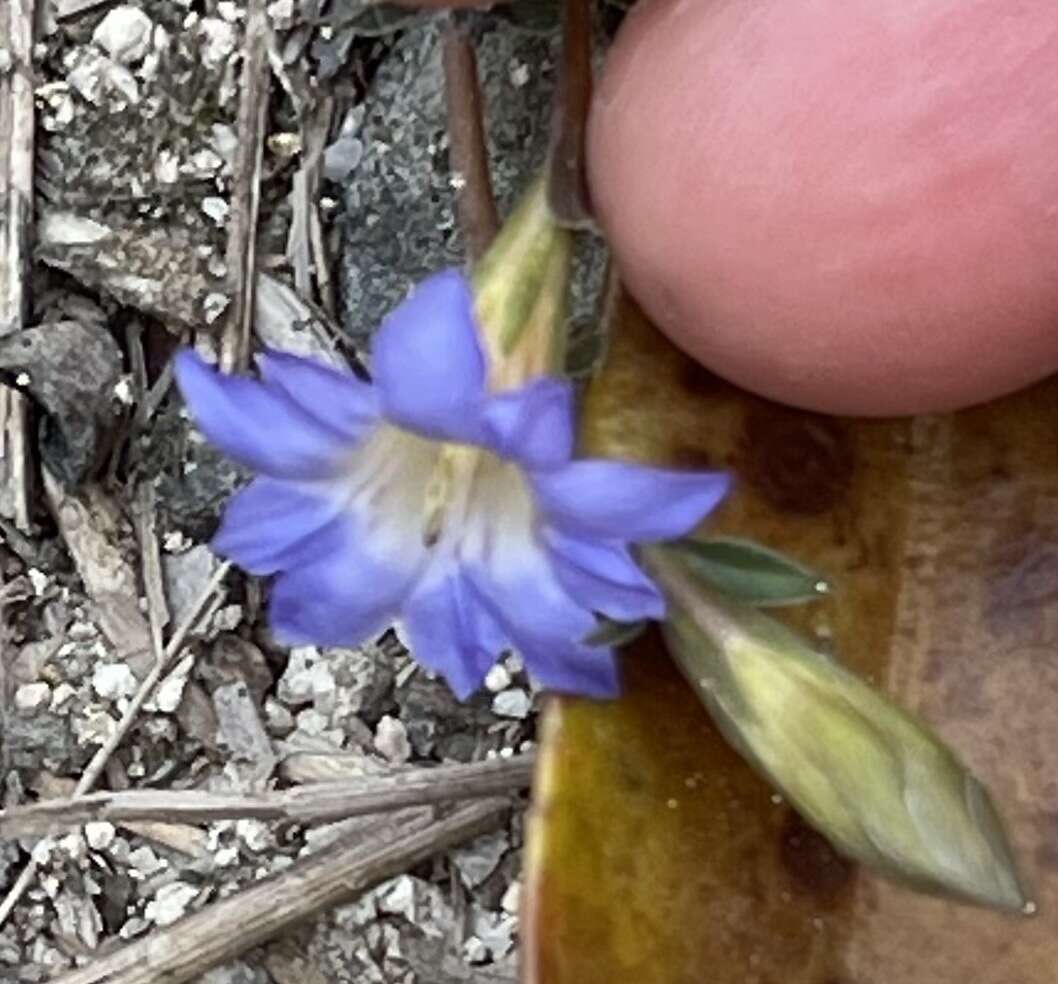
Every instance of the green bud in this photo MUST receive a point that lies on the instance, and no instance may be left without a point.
(530, 254)
(879, 784)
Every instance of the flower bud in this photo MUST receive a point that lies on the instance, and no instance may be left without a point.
(525, 268)
(879, 784)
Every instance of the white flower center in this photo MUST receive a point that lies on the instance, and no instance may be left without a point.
(437, 502)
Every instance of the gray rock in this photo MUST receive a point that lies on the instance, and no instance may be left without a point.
(480, 858)
(242, 733)
(399, 223)
(71, 371)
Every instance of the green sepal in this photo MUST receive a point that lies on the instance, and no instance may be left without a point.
(612, 634)
(750, 573)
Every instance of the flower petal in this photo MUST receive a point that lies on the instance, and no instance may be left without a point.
(532, 425)
(348, 593)
(266, 527)
(621, 501)
(520, 591)
(255, 424)
(427, 361)
(449, 633)
(590, 671)
(601, 576)
(336, 399)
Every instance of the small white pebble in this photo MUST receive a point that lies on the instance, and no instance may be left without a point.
(143, 862)
(474, 951)
(285, 145)
(254, 834)
(216, 208)
(170, 903)
(123, 391)
(391, 740)
(514, 703)
(511, 898)
(73, 846)
(31, 696)
(278, 719)
(166, 167)
(229, 11)
(519, 74)
(38, 579)
(175, 542)
(124, 34)
(226, 857)
(213, 306)
(61, 694)
(113, 681)
(170, 692)
(498, 678)
(281, 10)
(99, 834)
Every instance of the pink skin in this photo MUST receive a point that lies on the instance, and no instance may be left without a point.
(847, 205)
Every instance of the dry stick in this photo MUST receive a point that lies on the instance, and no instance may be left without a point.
(151, 560)
(246, 188)
(305, 247)
(226, 929)
(17, 18)
(567, 182)
(314, 803)
(99, 760)
(475, 205)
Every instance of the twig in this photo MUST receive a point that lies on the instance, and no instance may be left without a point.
(6, 685)
(17, 18)
(305, 247)
(226, 929)
(255, 84)
(475, 205)
(99, 760)
(155, 395)
(567, 183)
(151, 559)
(314, 803)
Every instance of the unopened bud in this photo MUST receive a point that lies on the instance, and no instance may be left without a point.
(528, 257)
(878, 783)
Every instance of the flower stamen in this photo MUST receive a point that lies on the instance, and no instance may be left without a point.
(448, 490)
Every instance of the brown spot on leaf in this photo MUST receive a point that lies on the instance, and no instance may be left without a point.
(800, 462)
(1047, 856)
(811, 861)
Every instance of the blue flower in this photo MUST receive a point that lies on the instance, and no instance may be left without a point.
(424, 497)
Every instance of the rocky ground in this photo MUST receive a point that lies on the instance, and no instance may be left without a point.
(131, 660)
